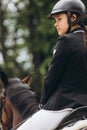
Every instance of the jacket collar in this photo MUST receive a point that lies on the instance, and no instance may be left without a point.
(79, 29)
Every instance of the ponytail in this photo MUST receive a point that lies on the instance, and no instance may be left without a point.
(85, 35)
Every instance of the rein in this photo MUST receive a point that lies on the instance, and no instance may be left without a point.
(16, 126)
(3, 100)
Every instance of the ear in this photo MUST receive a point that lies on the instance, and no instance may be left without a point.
(73, 17)
(27, 79)
(4, 78)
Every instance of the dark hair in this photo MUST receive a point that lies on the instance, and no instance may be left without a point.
(85, 35)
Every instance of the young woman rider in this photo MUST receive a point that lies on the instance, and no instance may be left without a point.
(65, 84)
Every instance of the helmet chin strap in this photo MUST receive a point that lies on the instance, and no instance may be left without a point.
(69, 22)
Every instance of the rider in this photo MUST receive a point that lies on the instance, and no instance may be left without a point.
(65, 84)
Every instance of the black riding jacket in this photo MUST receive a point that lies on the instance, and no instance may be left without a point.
(65, 84)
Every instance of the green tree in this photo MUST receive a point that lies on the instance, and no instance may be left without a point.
(26, 39)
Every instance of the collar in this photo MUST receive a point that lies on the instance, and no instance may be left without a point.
(76, 30)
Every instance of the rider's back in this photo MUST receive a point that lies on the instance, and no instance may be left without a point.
(71, 86)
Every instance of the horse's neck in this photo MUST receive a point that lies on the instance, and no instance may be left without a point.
(17, 117)
(7, 115)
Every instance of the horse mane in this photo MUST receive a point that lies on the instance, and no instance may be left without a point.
(22, 97)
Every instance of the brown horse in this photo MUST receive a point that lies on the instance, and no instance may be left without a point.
(18, 102)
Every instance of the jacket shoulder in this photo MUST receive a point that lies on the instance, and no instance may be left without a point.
(67, 37)
(72, 40)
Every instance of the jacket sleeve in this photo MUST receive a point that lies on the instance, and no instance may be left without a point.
(56, 69)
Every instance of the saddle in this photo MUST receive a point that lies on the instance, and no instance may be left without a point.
(76, 115)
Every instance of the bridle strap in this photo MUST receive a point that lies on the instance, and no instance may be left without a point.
(3, 99)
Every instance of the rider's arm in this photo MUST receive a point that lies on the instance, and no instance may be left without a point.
(56, 69)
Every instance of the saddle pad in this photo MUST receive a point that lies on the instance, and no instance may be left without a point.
(45, 120)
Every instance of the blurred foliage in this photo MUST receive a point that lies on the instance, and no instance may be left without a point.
(26, 39)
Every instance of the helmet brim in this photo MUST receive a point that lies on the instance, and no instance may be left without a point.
(54, 12)
(49, 16)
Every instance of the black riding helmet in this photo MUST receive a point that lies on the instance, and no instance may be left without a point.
(70, 7)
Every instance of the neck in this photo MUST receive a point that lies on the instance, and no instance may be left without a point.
(74, 27)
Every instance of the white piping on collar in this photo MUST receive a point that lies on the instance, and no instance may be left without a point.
(78, 31)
